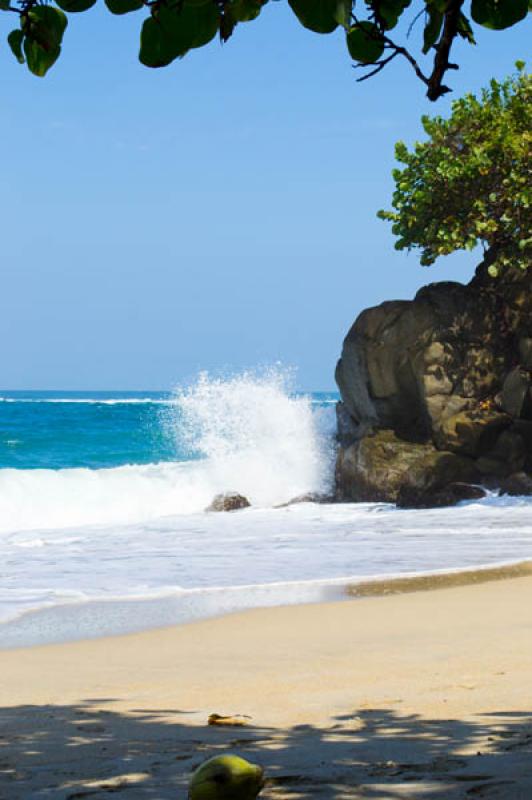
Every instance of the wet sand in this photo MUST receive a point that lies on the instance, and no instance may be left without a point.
(444, 580)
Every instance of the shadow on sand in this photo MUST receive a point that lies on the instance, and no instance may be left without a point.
(91, 751)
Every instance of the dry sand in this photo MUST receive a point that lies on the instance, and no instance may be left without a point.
(418, 695)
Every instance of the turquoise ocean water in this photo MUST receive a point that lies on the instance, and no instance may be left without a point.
(59, 429)
(53, 430)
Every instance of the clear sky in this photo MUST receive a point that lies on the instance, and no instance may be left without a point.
(216, 214)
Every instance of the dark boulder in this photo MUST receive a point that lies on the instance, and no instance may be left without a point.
(229, 501)
(379, 466)
(411, 365)
(309, 497)
(437, 389)
(516, 399)
(516, 485)
(450, 495)
(525, 352)
(347, 430)
(472, 433)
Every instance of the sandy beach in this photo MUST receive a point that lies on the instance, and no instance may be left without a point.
(423, 694)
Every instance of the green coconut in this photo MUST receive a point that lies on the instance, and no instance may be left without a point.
(227, 777)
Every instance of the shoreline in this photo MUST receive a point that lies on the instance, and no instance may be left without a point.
(63, 622)
(440, 579)
(395, 695)
(60, 619)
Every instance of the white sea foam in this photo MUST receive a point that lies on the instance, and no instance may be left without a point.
(248, 434)
(112, 579)
(115, 401)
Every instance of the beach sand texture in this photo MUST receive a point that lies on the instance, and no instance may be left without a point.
(425, 695)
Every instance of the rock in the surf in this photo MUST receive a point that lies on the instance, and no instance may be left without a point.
(379, 466)
(517, 485)
(309, 497)
(228, 501)
(449, 495)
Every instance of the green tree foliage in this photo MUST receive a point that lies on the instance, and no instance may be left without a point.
(470, 183)
(174, 27)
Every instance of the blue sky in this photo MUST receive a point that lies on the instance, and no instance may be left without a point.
(218, 214)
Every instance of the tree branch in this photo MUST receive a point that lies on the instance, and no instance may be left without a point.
(397, 51)
(402, 51)
(411, 26)
(443, 49)
(379, 65)
(433, 82)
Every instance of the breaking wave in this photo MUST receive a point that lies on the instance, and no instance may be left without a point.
(247, 433)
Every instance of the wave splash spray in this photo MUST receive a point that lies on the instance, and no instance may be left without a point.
(247, 433)
(257, 437)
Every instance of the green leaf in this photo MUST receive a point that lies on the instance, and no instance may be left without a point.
(389, 20)
(194, 25)
(38, 58)
(465, 30)
(244, 10)
(45, 25)
(432, 28)
(342, 14)
(498, 14)
(4, 5)
(238, 11)
(389, 11)
(42, 28)
(365, 43)
(156, 48)
(123, 6)
(15, 42)
(73, 6)
(320, 16)
(171, 32)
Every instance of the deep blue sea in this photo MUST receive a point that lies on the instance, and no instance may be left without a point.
(103, 498)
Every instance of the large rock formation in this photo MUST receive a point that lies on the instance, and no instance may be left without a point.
(437, 390)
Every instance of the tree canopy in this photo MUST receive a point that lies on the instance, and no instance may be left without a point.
(470, 183)
(174, 27)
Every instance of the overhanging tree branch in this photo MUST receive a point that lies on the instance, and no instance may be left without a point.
(443, 49)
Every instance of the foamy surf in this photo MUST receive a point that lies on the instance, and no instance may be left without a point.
(95, 581)
(119, 401)
(248, 434)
